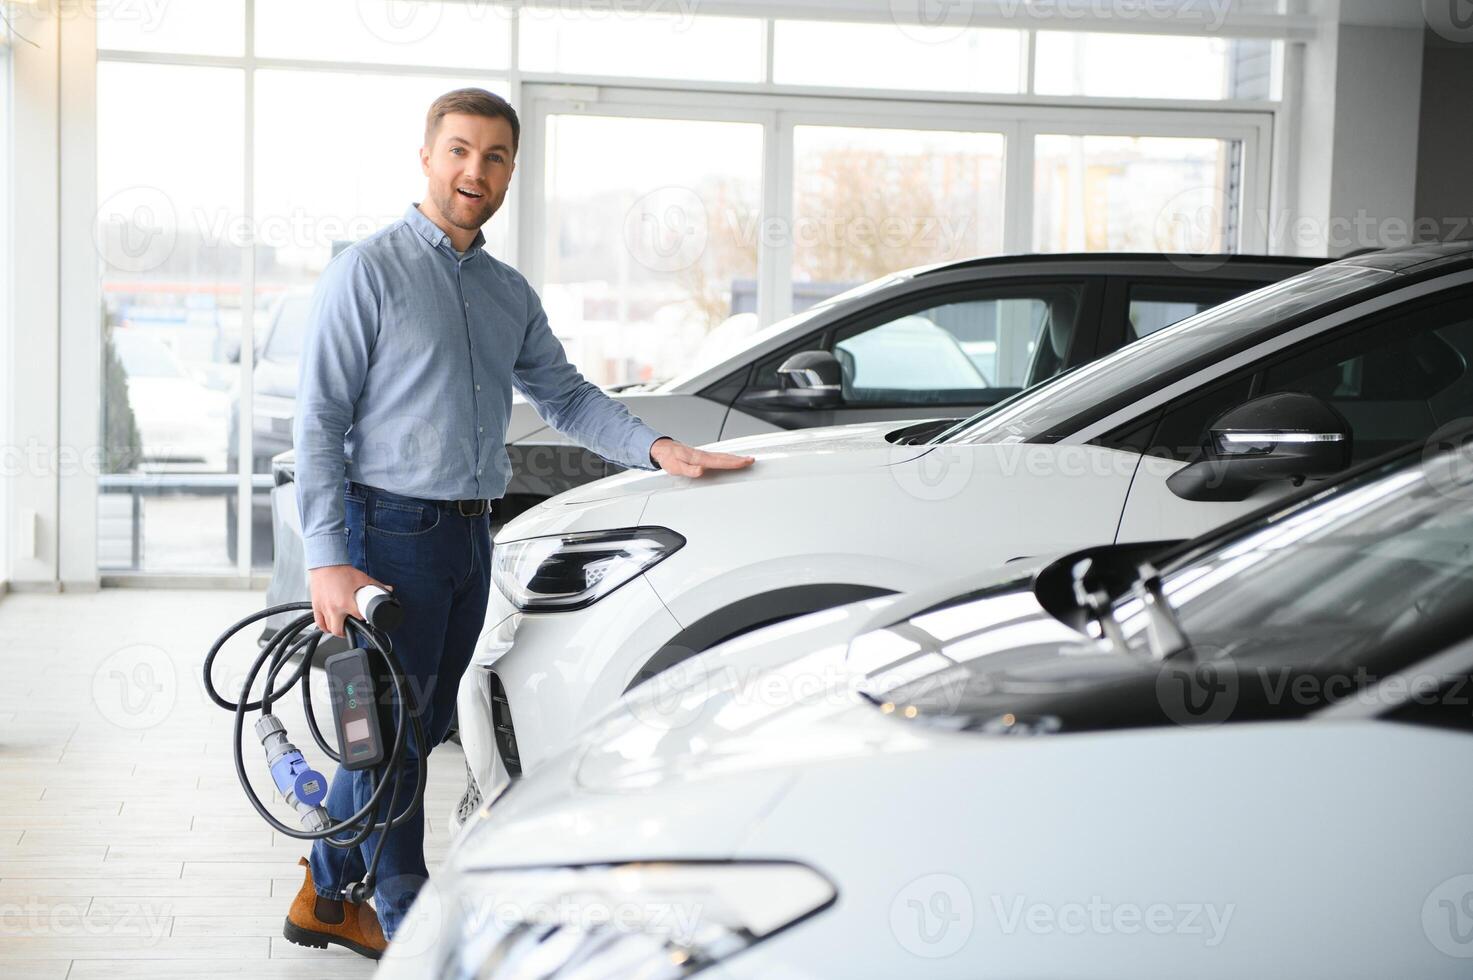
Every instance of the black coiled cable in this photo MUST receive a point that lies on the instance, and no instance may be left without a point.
(301, 636)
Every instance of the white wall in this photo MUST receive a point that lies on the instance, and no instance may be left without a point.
(1356, 139)
(51, 371)
(31, 371)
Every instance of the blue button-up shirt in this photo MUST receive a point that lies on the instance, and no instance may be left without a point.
(406, 377)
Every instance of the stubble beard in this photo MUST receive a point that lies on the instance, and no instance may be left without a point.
(450, 205)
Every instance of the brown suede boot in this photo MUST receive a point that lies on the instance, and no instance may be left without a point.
(314, 921)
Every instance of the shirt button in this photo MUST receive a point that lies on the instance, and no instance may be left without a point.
(480, 428)
(478, 387)
(467, 304)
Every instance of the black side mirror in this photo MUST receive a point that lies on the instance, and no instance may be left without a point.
(812, 379)
(1289, 436)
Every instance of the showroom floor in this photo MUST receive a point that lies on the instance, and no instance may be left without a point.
(126, 846)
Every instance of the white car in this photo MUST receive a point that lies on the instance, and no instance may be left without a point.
(1251, 769)
(181, 422)
(945, 339)
(605, 586)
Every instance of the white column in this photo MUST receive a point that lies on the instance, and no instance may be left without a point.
(80, 378)
(1355, 141)
(32, 368)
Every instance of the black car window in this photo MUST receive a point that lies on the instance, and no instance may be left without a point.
(1396, 381)
(1154, 306)
(1092, 391)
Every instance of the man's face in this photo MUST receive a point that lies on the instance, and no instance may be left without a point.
(469, 168)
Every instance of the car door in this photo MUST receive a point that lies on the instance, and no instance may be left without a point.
(1397, 377)
(947, 352)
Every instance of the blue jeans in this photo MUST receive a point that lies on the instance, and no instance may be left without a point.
(439, 564)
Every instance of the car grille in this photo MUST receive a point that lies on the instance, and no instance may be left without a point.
(470, 799)
(502, 728)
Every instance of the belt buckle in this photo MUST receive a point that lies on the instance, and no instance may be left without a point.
(477, 510)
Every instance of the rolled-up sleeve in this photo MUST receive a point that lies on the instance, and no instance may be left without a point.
(570, 403)
(341, 330)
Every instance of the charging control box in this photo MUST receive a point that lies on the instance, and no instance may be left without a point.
(354, 709)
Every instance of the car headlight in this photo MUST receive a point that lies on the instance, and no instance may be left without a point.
(653, 921)
(571, 571)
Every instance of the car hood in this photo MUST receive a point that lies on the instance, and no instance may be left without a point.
(790, 695)
(798, 452)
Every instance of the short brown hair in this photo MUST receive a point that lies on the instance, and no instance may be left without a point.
(472, 102)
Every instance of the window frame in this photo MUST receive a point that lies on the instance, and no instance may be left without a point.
(1017, 117)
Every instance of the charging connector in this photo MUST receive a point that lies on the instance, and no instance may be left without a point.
(301, 786)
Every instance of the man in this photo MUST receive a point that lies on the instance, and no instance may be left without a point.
(417, 338)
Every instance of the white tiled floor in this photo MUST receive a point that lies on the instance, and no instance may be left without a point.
(126, 845)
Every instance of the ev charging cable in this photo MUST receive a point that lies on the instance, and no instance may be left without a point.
(354, 710)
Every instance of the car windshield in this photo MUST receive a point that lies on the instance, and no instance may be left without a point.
(721, 354)
(1068, 399)
(1334, 586)
(1331, 582)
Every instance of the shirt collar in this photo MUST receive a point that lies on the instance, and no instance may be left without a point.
(431, 232)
